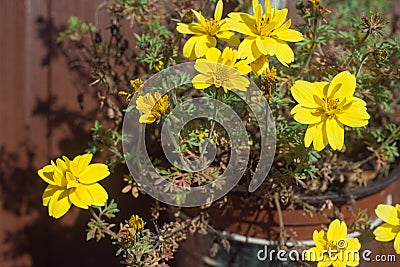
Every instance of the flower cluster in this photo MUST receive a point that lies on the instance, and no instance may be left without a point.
(326, 107)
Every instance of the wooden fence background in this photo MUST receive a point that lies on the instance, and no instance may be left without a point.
(40, 119)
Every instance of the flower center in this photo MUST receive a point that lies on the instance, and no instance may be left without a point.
(72, 180)
(212, 26)
(262, 27)
(220, 76)
(331, 106)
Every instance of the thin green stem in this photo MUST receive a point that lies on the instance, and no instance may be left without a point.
(313, 47)
(357, 48)
(364, 58)
(100, 222)
(212, 126)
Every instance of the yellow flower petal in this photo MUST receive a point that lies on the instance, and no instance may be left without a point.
(59, 204)
(342, 86)
(289, 35)
(213, 54)
(147, 118)
(94, 173)
(202, 43)
(47, 174)
(245, 48)
(62, 166)
(243, 66)
(189, 47)
(386, 232)
(228, 37)
(353, 244)
(77, 201)
(397, 243)
(337, 230)
(240, 82)
(310, 134)
(72, 181)
(98, 193)
(284, 53)
(283, 27)
(192, 28)
(279, 18)
(355, 115)
(48, 193)
(247, 27)
(306, 115)
(267, 46)
(218, 10)
(260, 65)
(201, 81)
(335, 132)
(388, 214)
(82, 194)
(200, 18)
(321, 138)
(82, 162)
(303, 92)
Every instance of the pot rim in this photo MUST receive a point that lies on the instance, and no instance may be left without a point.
(356, 192)
(353, 193)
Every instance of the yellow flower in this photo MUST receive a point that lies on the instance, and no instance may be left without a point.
(326, 108)
(221, 69)
(333, 247)
(390, 230)
(136, 85)
(205, 33)
(73, 182)
(151, 106)
(158, 65)
(136, 222)
(265, 34)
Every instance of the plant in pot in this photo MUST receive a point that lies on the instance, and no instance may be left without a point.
(241, 128)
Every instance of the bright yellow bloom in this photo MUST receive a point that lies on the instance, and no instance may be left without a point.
(136, 85)
(221, 69)
(333, 247)
(205, 33)
(151, 106)
(265, 34)
(326, 108)
(158, 65)
(136, 222)
(73, 182)
(390, 230)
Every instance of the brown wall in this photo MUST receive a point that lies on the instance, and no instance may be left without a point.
(41, 119)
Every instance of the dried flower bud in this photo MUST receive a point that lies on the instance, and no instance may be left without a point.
(380, 54)
(136, 222)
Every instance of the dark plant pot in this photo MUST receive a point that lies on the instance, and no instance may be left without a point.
(252, 226)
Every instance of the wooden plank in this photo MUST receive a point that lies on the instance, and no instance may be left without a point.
(69, 124)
